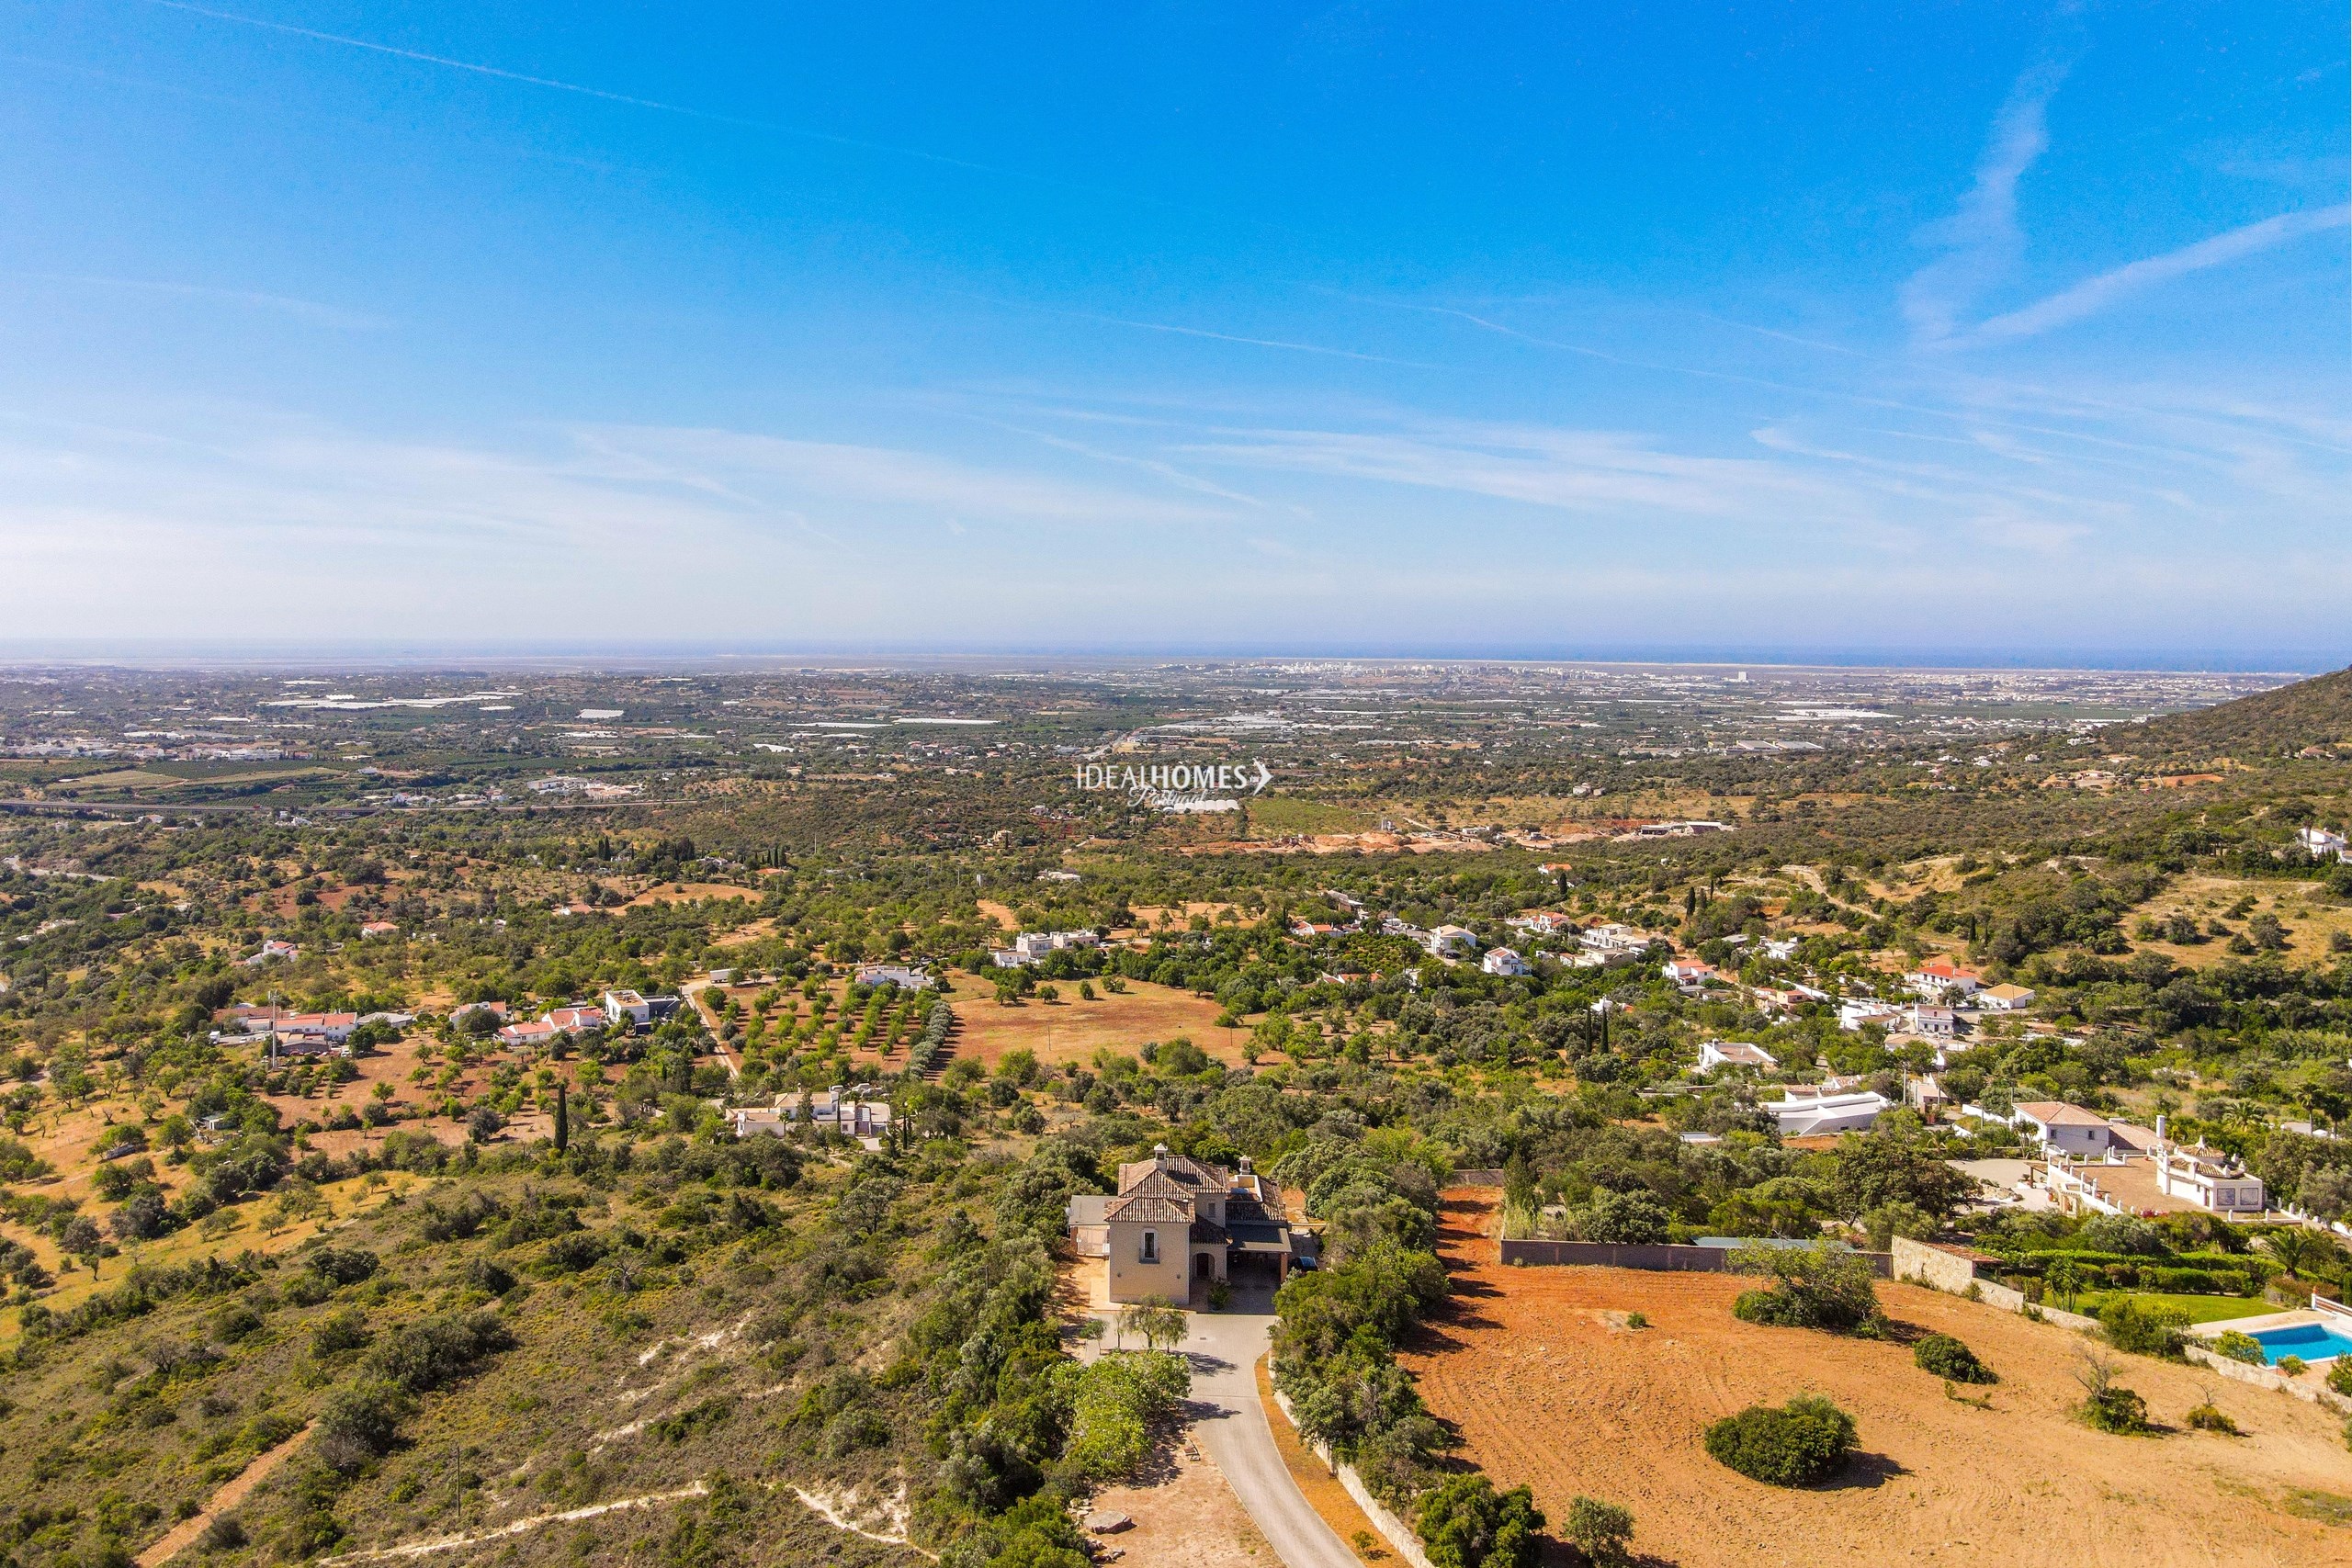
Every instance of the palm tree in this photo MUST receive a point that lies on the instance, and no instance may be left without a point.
(2293, 1246)
(2065, 1277)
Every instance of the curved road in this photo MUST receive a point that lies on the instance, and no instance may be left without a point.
(1224, 1349)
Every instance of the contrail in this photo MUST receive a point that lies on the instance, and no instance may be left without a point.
(708, 115)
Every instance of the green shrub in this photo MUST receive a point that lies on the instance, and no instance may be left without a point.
(2142, 1327)
(434, 1352)
(340, 1331)
(2239, 1347)
(2117, 1409)
(358, 1423)
(1826, 1285)
(2108, 1405)
(1600, 1529)
(1805, 1441)
(1948, 1357)
(1465, 1523)
(2339, 1375)
(2210, 1417)
(2291, 1366)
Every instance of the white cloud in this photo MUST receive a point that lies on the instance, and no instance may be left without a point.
(1980, 240)
(1593, 471)
(2094, 294)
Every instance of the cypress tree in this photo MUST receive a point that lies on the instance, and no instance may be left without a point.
(562, 1118)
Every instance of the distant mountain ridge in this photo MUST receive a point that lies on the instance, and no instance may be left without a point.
(2317, 712)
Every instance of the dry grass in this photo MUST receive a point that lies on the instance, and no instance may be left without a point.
(692, 892)
(1072, 1031)
(2310, 918)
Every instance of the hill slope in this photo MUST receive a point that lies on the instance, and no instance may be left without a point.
(2317, 712)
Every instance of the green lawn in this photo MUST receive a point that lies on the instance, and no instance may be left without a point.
(2200, 1309)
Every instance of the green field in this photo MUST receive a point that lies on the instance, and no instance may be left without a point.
(2200, 1309)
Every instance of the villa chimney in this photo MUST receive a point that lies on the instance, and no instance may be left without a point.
(1159, 1154)
(2160, 1127)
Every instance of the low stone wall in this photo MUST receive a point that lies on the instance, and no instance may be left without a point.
(1917, 1263)
(1399, 1534)
(2265, 1377)
(1933, 1267)
(1661, 1256)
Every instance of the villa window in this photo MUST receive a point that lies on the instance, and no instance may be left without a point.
(1150, 1253)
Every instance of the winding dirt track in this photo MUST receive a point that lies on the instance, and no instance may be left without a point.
(1547, 1386)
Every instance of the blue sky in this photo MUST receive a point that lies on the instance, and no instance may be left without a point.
(1901, 328)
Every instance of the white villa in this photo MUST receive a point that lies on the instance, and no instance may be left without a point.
(1715, 1053)
(2209, 1179)
(1804, 1111)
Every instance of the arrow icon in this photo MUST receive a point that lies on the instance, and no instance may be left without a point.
(1264, 778)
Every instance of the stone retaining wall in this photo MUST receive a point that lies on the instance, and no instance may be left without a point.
(1394, 1530)
(2265, 1377)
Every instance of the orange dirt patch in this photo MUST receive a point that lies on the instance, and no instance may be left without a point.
(1185, 1517)
(1549, 1387)
(1072, 1031)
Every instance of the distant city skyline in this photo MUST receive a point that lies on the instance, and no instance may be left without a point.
(1951, 335)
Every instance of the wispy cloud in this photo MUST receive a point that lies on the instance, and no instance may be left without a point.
(1595, 471)
(2094, 294)
(1981, 240)
(308, 310)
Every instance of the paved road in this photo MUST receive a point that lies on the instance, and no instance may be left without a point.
(1223, 1348)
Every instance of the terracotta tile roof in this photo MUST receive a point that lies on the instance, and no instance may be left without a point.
(1150, 1211)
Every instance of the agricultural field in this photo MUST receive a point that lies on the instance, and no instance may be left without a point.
(1072, 1031)
(1548, 1386)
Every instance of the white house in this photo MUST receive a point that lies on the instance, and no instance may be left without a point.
(1806, 1112)
(1779, 947)
(1939, 977)
(1688, 971)
(1933, 1021)
(1504, 961)
(1735, 1054)
(1447, 940)
(2004, 998)
(273, 952)
(1030, 946)
(1541, 922)
(2063, 1128)
(627, 1007)
(2319, 843)
(2208, 1178)
(906, 976)
(1612, 938)
(1854, 1014)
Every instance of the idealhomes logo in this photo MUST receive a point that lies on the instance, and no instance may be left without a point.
(1177, 786)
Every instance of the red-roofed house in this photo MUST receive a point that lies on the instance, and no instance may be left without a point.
(1939, 975)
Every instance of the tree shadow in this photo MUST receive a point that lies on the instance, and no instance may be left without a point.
(1863, 1473)
(1552, 1553)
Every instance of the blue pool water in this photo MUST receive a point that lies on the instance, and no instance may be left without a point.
(2312, 1341)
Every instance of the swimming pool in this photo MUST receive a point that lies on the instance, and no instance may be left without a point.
(2310, 1341)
